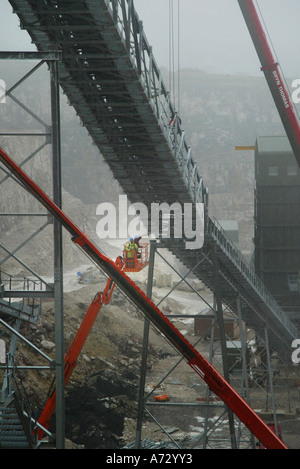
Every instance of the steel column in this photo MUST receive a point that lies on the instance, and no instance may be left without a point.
(208, 391)
(270, 379)
(145, 349)
(220, 321)
(58, 259)
(244, 359)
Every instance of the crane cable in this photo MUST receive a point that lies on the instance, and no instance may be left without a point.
(172, 82)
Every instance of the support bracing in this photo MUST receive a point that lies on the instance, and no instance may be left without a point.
(113, 82)
(220, 321)
(194, 359)
(238, 437)
(51, 135)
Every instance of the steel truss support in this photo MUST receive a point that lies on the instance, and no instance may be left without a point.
(58, 258)
(52, 136)
(270, 376)
(241, 377)
(220, 321)
(143, 396)
(245, 383)
(141, 402)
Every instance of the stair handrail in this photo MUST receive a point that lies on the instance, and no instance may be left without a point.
(224, 242)
(23, 404)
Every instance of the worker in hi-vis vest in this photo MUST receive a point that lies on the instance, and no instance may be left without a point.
(131, 248)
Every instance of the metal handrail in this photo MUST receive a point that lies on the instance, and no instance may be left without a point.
(235, 256)
(9, 281)
(140, 52)
(132, 34)
(22, 401)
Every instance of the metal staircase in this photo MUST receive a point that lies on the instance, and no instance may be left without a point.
(18, 309)
(13, 435)
(17, 426)
(20, 304)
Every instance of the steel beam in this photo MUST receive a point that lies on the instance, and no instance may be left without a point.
(58, 259)
(141, 397)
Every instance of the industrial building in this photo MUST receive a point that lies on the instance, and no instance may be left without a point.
(277, 219)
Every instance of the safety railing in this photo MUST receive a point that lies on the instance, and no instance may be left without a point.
(15, 387)
(218, 234)
(9, 283)
(137, 260)
(132, 34)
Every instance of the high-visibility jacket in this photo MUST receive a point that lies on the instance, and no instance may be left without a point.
(130, 248)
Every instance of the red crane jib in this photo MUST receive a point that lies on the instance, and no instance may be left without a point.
(75, 349)
(274, 78)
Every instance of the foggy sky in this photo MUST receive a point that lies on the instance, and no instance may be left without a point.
(213, 36)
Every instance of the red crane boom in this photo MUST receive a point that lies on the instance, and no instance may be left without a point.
(195, 359)
(273, 76)
(75, 349)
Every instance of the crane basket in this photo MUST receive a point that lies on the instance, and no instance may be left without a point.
(134, 261)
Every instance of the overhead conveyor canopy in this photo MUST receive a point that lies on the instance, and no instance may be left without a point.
(111, 79)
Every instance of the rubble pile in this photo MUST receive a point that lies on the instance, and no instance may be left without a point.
(95, 412)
